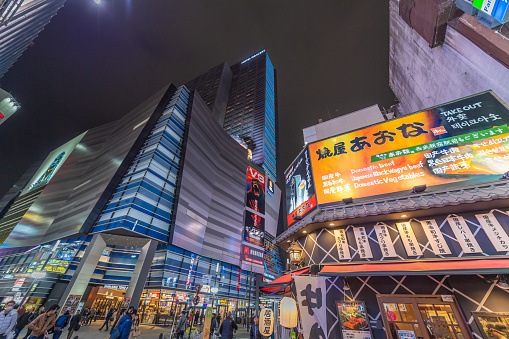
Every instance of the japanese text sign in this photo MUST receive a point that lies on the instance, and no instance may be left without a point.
(494, 231)
(435, 237)
(465, 237)
(311, 298)
(361, 238)
(342, 244)
(465, 141)
(409, 240)
(385, 241)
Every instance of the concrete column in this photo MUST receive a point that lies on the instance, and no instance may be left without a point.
(86, 268)
(140, 273)
(259, 281)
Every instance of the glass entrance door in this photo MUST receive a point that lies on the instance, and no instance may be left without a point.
(422, 317)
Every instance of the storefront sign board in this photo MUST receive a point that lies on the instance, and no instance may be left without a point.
(464, 235)
(361, 238)
(342, 244)
(385, 241)
(494, 231)
(353, 320)
(435, 237)
(409, 240)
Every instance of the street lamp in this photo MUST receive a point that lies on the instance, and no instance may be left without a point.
(296, 254)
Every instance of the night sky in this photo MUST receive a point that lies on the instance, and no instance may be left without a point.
(94, 63)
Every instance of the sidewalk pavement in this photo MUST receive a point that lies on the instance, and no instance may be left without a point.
(147, 332)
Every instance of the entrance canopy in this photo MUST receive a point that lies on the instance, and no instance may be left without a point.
(280, 284)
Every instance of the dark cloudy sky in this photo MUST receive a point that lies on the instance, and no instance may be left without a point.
(92, 64)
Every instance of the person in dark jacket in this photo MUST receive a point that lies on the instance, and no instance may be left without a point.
(22, 322)
(227, 327)
(213, 324)
(61, 323)
(34, 316)
(74, 325)
(182, 325)
(125, 323)
(109, 315)
(120, 314)
(254, 333)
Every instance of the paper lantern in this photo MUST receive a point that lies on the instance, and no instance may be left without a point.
(288, 315)
(266, 322)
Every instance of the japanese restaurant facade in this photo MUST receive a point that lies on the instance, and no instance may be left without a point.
(409, 261)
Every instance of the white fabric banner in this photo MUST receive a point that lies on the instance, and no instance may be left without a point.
(385, 241)
(361, 238)
(435, 237)
(409, 240)
(342, 244)
(464, 235)
(494, 231)
(312, 302)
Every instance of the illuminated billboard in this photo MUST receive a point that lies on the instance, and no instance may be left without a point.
(254, 227)
(255, 190)
(457, 143)
(300, 190)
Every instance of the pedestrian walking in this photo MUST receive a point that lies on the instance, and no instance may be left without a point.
(135, 327)
(74, 325)
(213, 325)
(255, 330)
(8, 318)
(23, 320)
(228, 326)
(120, 314)
(43, 323)
(61, 323)
(182, 325)
(109, 315)
(34, 316)
(123, 329)
(91, 316)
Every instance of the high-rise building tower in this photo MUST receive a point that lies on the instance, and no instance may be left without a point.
(251, 108)
(20, 23)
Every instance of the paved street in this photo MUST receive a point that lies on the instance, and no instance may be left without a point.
(147, 332)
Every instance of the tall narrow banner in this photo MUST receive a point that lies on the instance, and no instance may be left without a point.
(208, 321)
(409, 240)
(361, 238)
(311, 298)
(342, 244)
(494, 231)
(435, 237)
(385, 241)
(464, 235)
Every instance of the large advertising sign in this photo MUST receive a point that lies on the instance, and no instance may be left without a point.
(300, 190)
(254, 227)
(354, 320)
(255, 189)
(458, 143)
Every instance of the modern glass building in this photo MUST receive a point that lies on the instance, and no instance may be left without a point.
(140, 211)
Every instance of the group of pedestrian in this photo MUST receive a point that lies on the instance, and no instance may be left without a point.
(40, 323)
(88, 314)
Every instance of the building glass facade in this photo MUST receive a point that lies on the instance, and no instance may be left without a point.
(143, 201)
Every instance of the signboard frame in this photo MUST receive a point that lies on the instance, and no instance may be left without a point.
(341, 319)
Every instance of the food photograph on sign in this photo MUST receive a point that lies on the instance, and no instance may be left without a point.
(352, 316)
(300, 190)
(255, 189)
(458, 143)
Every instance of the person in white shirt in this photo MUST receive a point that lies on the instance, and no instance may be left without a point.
(8, 318)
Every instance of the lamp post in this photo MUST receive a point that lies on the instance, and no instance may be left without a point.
(296, 254)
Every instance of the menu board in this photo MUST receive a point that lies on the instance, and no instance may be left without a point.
(353, 320)
(494, 231)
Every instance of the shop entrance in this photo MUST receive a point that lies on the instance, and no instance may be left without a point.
(106, 299)
(426, 317)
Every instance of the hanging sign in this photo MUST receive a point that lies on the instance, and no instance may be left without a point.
(361, 238)
(385, 241)
(266, 322)
(409, 240)
(354, 320)
(464, 235)
(494, 231)
(311, 297)
(435, 237)
(342, 244)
